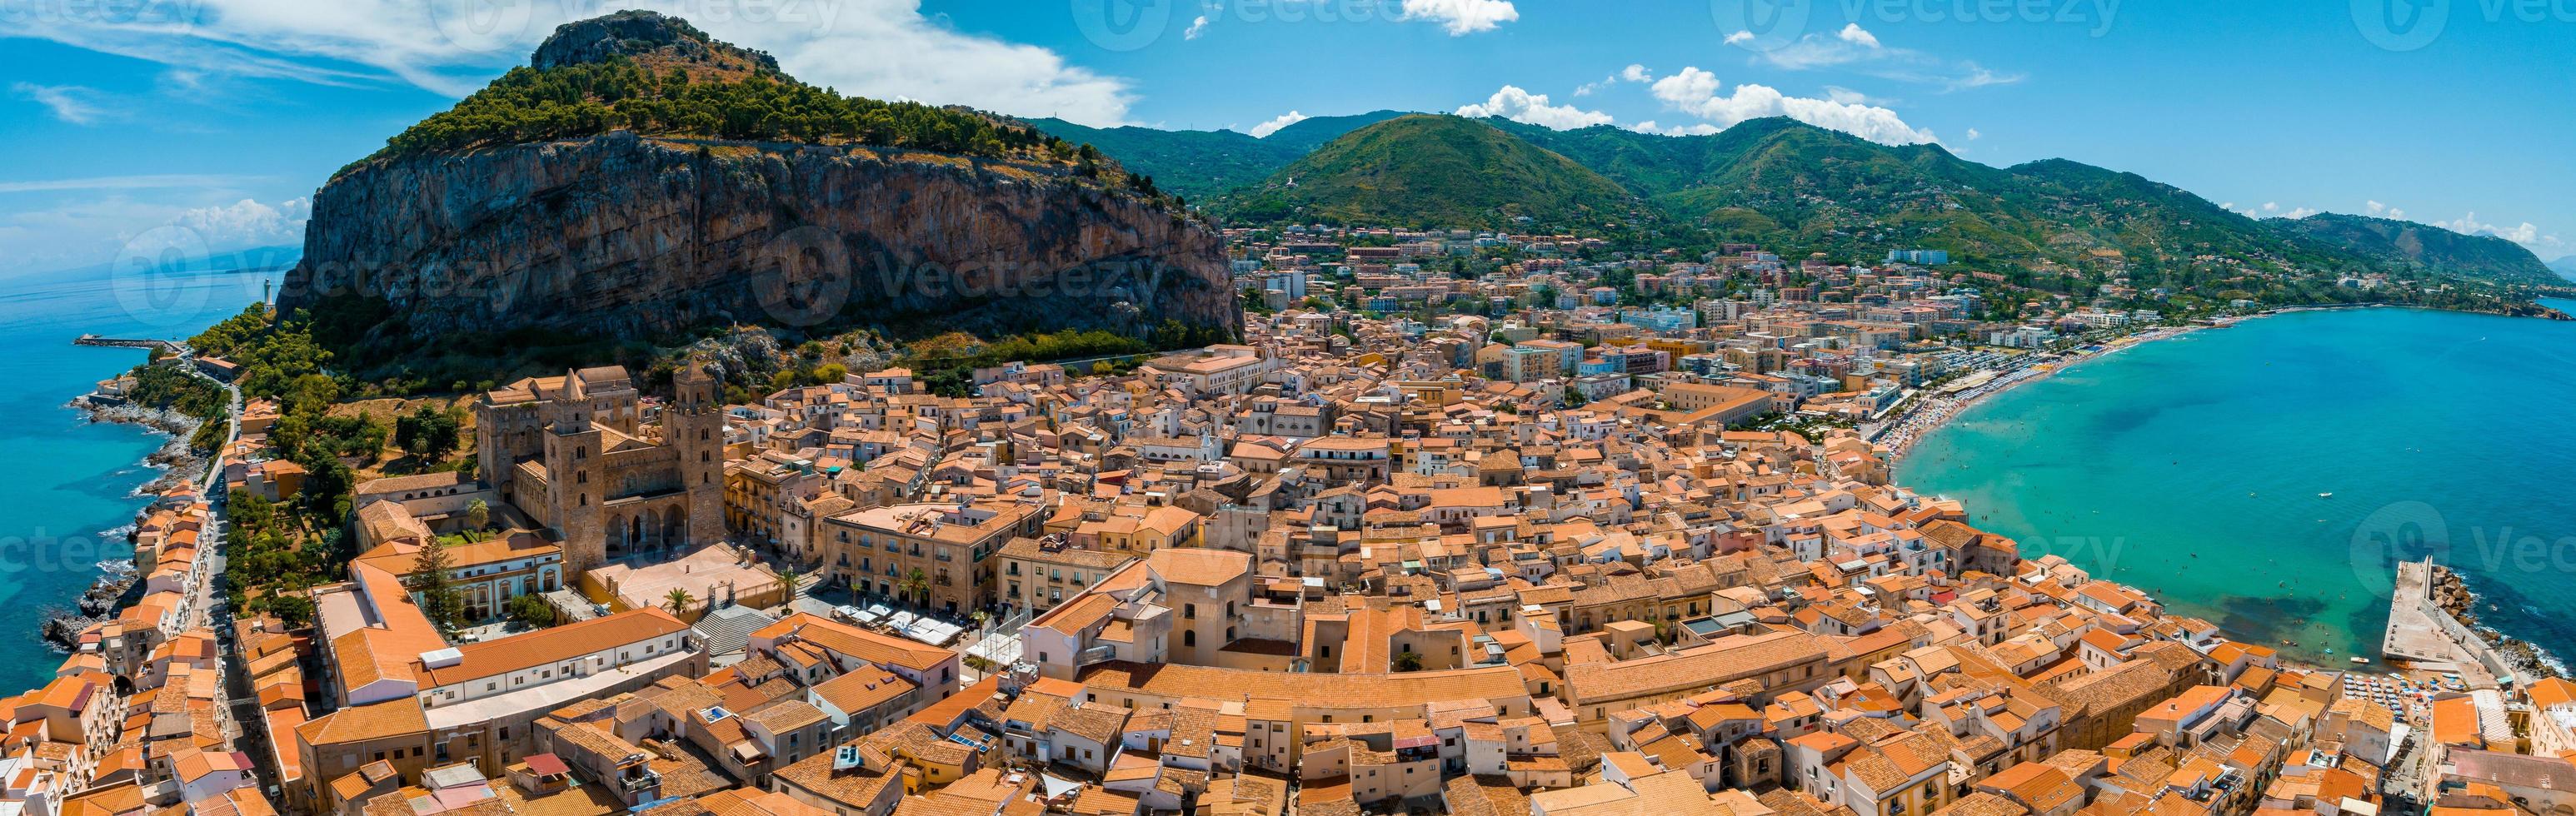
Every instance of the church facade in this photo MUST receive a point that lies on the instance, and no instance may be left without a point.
(575, 454)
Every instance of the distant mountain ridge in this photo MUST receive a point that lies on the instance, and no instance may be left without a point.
(1202, 163)
(1792, 185)
(1435, 170)
(2421, 243)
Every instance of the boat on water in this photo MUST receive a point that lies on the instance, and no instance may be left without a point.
(2325, 495)
(2360, 661)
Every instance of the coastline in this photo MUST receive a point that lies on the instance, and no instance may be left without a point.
(1928, 413)
(2457, 597)
(174, 463)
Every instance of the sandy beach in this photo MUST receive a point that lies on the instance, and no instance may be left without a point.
(1929, 412)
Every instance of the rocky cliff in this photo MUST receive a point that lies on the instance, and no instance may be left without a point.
(617, 237)
(627, 237)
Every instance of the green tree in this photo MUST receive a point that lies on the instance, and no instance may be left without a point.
(530, 610)
(426, 433)
(678, 602)
(478, 515)
(1408, 661)
(295, 609)
(438, 597)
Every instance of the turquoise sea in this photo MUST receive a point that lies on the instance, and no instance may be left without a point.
(72, 480)
(2191, 468)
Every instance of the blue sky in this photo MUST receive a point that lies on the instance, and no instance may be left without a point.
(145, 125)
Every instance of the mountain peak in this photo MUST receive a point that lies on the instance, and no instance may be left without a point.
(647, 37)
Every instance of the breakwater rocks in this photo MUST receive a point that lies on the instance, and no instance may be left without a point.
(2454, 596)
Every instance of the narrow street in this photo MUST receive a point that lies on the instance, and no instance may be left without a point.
(239, 711)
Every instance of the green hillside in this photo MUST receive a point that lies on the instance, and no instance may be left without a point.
(1313, 131)
(1433, 170)
(1203, 163)
(1804, 188)
(1795, 188)
(2429, 246)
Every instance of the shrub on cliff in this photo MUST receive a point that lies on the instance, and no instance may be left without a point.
(577, 101)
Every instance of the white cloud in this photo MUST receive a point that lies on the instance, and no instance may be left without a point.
(879, 48)
(1283, 120)
(1197, 27)
(2529, 235)
(1633, 73)
(1856, 49)
(1528, 108)
(247, 222)
(2296, 213)
(1973, 135)
(1461, 17)
(70, 103)
(1848, 96)
(1699, 129)
(1695, 92)
(87, 231)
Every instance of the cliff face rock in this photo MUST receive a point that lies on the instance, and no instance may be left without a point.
(622, 237)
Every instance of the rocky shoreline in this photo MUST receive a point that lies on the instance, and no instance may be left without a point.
(2452, 594)
(176, 461)
(177, 464)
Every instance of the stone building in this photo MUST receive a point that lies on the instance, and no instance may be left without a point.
(573, 452)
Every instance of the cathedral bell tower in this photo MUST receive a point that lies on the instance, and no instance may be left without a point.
(573, 452)
(694, 424)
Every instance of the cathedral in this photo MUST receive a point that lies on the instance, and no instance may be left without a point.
(574, 453)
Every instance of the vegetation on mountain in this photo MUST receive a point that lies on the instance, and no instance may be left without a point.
(574, 101)
(1203, 163)
(659, 76)
(2051, 225)
(2429, 246)
(1434, 170)
(1193, 163)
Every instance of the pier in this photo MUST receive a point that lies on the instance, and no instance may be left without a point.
(2421, 633)
(119, 342)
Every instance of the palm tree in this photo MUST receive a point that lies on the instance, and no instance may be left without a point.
(678, 601)
(917, 586)
(790, 576)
